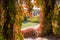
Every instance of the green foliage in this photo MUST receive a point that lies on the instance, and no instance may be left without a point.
(12, 20)
(0, 27)
(19, 36)
(1, 37)
(46, 20)
(56, 26)
(29, 5)
(56, 30)
(34, 19)
(39, 3)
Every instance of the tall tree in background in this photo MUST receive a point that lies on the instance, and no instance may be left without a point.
(48, 13)
(10, 28)
(46, 16)
(9, 16)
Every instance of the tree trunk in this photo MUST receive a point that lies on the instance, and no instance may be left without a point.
(9, 27)
(46, 17)
(9, 16)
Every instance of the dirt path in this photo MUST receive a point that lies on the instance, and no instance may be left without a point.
(43, 38)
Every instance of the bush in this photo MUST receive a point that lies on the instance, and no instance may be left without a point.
(34, 19)
(29, 32)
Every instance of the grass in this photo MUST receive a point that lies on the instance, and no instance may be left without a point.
(33, 21)
(27, 24)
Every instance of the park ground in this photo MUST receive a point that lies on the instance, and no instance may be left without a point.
(35, 25)
(43, 38)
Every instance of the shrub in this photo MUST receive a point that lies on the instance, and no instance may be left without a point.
(34, 19)
(29, 32)
(32, 32)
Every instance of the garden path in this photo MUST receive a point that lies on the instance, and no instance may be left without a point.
(43, 38)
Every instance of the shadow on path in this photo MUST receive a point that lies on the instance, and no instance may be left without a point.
(43, 38)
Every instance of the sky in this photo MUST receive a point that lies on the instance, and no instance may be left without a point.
(32, 1)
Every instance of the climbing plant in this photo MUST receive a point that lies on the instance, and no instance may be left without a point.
(56, 20)
(1, 20)
(47, 11)
(29, 6)
(11, 28)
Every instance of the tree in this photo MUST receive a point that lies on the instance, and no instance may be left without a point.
(29, 6)
(47, 11)
(56, 20)
(9, 28)
(9, 16)
(1, 20)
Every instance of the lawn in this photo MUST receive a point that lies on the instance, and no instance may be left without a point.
(28, 24)
(31, 22)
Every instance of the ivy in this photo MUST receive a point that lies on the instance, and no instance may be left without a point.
(29, 5)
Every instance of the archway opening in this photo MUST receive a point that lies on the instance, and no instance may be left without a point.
(31, 19)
